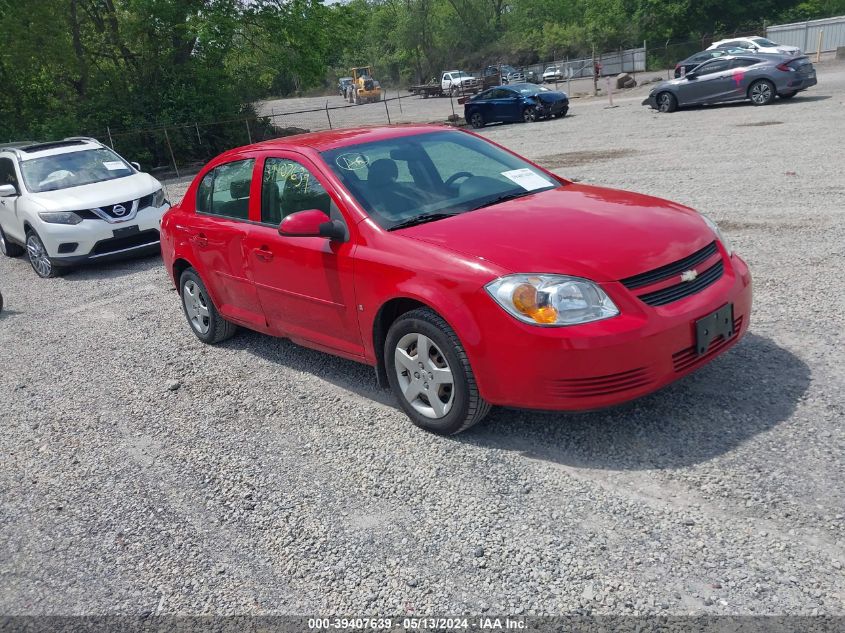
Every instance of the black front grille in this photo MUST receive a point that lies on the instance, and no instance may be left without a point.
(115, 244)
(685, 288)
(109, 209)
(669, 270)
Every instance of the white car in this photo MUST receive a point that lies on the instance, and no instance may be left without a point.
(757, 45)
(75, 201)
(552, 73)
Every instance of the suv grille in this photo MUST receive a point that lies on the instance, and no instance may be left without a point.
(678, 291)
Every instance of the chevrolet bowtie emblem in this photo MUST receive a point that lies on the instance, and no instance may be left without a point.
(689, 275)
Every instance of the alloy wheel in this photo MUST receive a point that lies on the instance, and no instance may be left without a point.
(477, 120)
(38, 256)
(424, 375)
(761, 93)
(3, 247)
(665, 102)
(529, 115)
(196, 307)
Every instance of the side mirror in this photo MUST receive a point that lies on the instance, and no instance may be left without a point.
(137, 166)
(313, 223)
(7, 191)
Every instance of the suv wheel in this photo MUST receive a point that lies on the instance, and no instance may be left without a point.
(430, 374)
(202, 315)
(38, 257)
(9, 249)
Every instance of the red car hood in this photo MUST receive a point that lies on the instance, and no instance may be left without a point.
(601, 234)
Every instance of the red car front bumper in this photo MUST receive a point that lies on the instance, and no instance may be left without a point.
(607, 362)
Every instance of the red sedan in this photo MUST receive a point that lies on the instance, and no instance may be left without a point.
(465, 274)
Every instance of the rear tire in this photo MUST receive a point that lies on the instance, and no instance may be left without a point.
(761, 92)
(434, 384)
(667, 102)
(9, 249)
(476, 120)
(200, 311)
(788, 95)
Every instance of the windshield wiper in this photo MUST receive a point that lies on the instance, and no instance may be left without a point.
(505, 198)
(421, 219)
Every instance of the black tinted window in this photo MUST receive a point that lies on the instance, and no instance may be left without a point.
(224, 191)
(288, 187)
(743, 62)
(715, 66)
(7, 173)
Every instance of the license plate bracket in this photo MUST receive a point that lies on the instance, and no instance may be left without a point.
(715, 325)
(126, 230)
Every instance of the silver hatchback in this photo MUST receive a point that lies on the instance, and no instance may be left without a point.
(757, 77)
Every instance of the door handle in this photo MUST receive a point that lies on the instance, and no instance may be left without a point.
(264, 254)
(200, 240)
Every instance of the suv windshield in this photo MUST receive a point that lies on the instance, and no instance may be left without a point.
(73, 169)
(432, 175)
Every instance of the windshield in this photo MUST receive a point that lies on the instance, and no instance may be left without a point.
(460, 74)
(762, 41)
(73, 169)
(529, 89)
(442, 173)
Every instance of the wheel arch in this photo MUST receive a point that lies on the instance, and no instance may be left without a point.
(462, 324)
(180, 265)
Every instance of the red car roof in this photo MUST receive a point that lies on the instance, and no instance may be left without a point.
(331, 139)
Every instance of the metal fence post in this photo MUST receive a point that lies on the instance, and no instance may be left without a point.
(199, 138)
(248, 133)
(399, 98)
(172, 156)
(327, 115)
(387, 111)
(111, 141)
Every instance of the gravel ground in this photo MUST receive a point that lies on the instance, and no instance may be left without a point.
(144, 472)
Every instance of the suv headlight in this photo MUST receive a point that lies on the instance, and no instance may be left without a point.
(551, 300)
(60, 217)
(158, 198)
(719, 235)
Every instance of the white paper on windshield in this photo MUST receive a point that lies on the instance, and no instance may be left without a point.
(113, 165)
(526, 179)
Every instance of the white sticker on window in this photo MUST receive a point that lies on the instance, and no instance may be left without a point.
(113, 165)
(527, 179)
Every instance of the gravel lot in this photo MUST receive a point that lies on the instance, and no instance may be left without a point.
(144, 472)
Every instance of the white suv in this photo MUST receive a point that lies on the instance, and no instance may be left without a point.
(74, 201)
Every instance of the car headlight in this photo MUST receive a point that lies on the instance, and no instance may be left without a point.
(719, 235)
(158, 198)
(551, 300)
(60, 217)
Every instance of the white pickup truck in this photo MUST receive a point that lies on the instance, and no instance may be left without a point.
(457, 82)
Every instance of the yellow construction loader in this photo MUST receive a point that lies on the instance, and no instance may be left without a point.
(364, 88)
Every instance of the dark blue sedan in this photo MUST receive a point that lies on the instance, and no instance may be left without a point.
(515, 102)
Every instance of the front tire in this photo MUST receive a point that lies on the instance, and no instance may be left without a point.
(200, 311)
(429, 372)
(38, 257)
(666, 102)
(761, 92)
(529, 115)
(9, 249)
